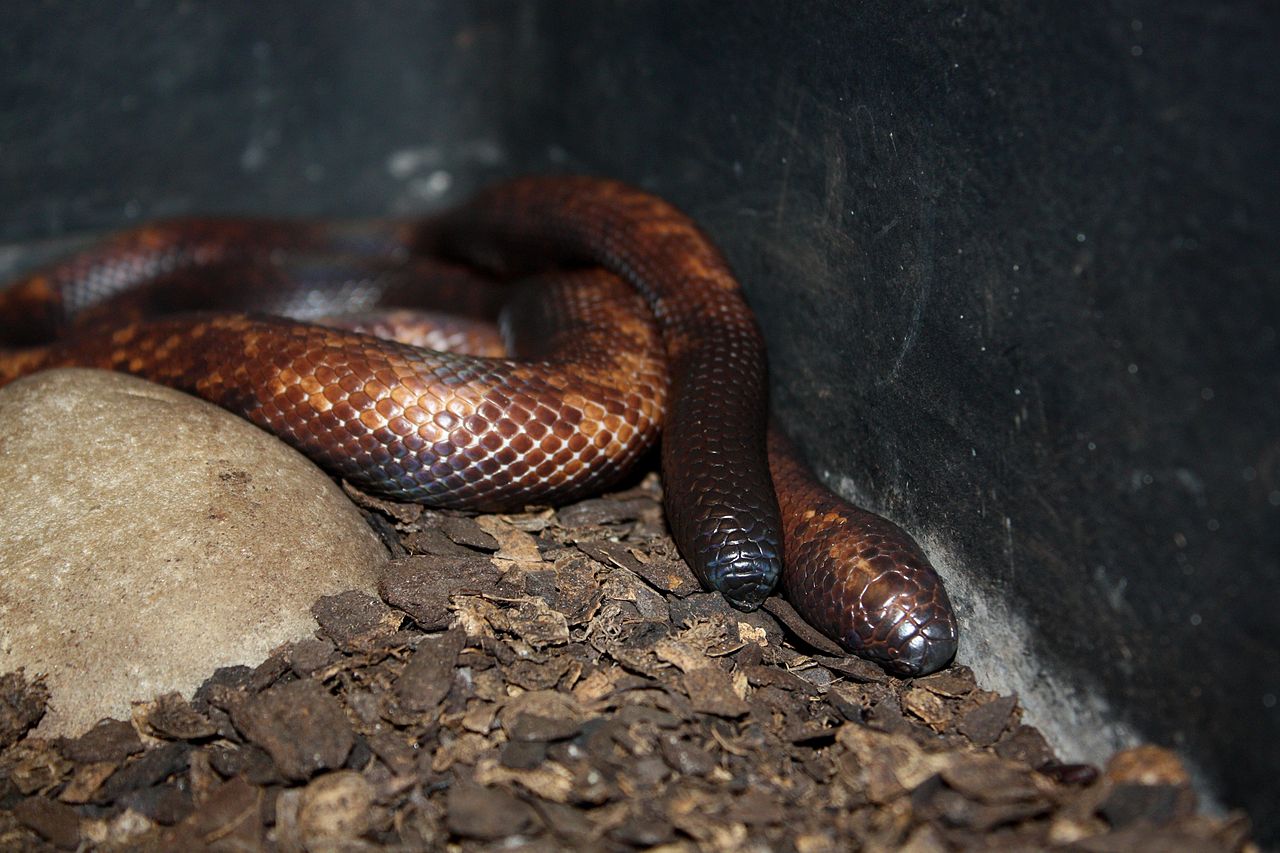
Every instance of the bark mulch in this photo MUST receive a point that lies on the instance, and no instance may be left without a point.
(557, 680)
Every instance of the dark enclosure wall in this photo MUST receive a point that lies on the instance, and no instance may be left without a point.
(1016, 264)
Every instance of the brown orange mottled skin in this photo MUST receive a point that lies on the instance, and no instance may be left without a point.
(416, 424)
(600, 366)
(719, 499)
(886, 603)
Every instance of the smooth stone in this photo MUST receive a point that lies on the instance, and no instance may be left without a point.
(148, 537)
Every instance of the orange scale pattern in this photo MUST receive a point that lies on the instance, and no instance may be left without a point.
(582, 400)
(445, 429)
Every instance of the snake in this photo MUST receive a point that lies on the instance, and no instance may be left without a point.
(623, 324)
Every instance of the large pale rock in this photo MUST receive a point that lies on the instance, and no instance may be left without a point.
(147, 537)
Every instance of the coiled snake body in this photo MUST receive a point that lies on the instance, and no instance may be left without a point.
(636, 323)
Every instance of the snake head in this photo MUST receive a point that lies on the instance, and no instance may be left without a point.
(903, 620)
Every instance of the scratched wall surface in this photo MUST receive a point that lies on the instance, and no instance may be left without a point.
(1017, 268)
(114, 112)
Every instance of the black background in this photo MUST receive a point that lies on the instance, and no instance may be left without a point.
(1017, 266)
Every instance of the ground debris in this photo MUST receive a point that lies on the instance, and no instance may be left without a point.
(300, 725)
(22, 704)
(55, 822)
(356, 621)
(427, 677)
(557, 680)
(109, 740)
(171, 717)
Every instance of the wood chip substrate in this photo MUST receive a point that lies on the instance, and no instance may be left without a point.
(557, 680)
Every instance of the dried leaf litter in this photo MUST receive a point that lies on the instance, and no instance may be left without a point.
(557, 680)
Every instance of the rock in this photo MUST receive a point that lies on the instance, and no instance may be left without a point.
(147, 537)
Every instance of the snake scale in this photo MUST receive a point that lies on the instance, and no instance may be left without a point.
(623, 320)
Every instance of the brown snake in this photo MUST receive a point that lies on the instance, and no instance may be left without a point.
(598, 368)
